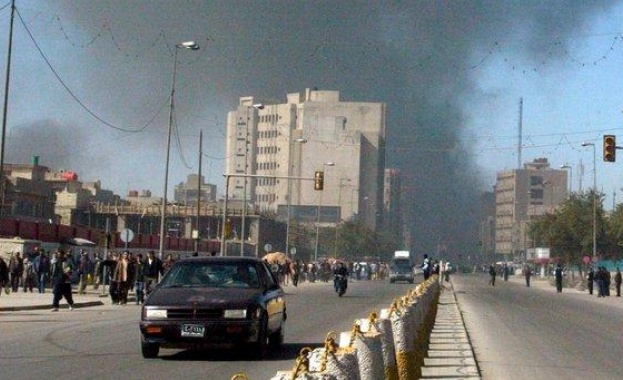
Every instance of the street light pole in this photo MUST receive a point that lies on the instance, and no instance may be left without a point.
(289, 190)
(199, 191)
(5, 109)
(318, 216)
(339, 213)
(184, 45)
(594, 196)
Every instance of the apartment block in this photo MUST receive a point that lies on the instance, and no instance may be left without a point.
(274, 149)
(520, 196)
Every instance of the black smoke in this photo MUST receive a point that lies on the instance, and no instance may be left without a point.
(421, 58)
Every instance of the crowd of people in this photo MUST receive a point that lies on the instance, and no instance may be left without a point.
(120, 271)
(298, 271)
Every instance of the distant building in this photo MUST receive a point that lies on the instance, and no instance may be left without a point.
(520, 196)
(186, 192)
(27, 195)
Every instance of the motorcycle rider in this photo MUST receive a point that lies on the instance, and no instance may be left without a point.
(340, 270)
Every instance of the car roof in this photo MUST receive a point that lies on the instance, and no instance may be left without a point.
(222, 259)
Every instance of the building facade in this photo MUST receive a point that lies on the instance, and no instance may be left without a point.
(520, 196)
(279, 147)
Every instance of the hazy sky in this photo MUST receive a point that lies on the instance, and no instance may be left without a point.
(90, 82)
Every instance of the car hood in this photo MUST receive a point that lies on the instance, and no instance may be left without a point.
(212, 297)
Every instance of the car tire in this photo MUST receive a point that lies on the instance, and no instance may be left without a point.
(149, 350)
(259, 349)
(276, 339)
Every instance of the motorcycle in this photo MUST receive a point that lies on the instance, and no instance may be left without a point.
(341, 283)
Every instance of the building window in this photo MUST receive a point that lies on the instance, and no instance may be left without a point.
(536, 181)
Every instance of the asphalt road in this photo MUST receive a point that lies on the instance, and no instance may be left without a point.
(535, 333)
(103, 342)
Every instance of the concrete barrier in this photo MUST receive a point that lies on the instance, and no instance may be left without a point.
(392, 346)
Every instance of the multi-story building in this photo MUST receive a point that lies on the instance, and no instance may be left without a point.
(520, 196)
(26, 194)
(186, 193)
(393, 218)
(283, 145)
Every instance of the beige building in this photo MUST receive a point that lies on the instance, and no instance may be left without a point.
(520, 196)
(312, 131)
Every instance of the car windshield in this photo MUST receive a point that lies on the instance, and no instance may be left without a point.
(212, 274)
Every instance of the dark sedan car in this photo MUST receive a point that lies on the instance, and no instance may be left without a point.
(214, 301)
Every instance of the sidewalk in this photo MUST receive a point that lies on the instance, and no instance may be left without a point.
(41, 301)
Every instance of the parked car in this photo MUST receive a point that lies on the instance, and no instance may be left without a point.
(205, 302)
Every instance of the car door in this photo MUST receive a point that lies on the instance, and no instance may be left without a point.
(274, 298)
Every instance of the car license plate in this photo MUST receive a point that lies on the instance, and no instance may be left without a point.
(193, 331)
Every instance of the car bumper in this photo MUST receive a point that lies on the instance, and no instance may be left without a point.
(217, 333)
(401, 277)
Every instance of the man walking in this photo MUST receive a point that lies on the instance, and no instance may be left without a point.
(492, 275)
(590, 279)
(61, 280)
(42, 269)
(558, 275)
(527, 273)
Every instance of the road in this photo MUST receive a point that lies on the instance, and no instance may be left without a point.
(535, 333)
(103, 342)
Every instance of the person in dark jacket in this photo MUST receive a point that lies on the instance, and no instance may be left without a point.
(153, 270)
(558, 276)
(41, 264)
(590, 279)
(492, 275)
(62, 269)
(4, 275)
(16, 270)
(527, 273)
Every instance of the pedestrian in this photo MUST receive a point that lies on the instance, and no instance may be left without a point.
(84, 270)
(122, 277)
(16, 269)
(139, 282)
(4, 276)
(617, 282)
(108, 269)
(41, 264)
(492, 275)
(590, 279)
(168, 263)
(558, 275)
(294, 271)
(600, 278)
(30, 277)
(607, 281)
(426, 267)
(505, 271)
(62, 270)
(527, 273)
(447, 271)
(152, 271)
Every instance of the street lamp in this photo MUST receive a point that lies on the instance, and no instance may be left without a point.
(258, 106)
(289, 191)
(339, 213)
(318, 216)
(594, 197)
(184, 45)
(570, 168)
(5, 108)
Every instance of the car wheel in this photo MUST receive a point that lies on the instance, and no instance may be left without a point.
(149, 350)
(260, 348)
(277, 338)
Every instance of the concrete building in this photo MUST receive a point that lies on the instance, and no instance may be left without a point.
(26, 194)
(393, 206)
(312, 131)
(186, 192)
(520, 196)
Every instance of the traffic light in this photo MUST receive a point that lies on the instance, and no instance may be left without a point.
(610, 148)
(319, 180)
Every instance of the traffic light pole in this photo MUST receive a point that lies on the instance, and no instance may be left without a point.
(227, 177)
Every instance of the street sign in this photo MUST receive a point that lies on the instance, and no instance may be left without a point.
(126, 235)
(268, 247)
(586, 259)
(293, 251)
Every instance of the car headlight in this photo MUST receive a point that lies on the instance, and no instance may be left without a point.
(155, 313)
(235, 313)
